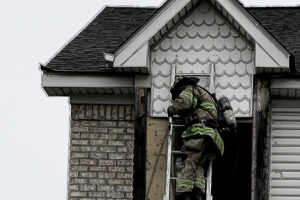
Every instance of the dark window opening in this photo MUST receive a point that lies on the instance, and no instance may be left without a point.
(232, 172)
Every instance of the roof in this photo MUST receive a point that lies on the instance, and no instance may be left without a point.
(114, 25)
(109, 29)
(284, 24)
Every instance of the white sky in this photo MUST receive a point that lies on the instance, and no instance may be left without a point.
(33, 127)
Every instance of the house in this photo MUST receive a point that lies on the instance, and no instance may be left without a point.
(117, 72)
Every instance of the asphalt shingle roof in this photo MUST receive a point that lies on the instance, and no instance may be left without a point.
(284, 24)
(84, 54)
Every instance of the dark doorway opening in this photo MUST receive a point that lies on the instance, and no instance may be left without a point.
(232, 171)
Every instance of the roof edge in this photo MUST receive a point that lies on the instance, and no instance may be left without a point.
(160, 7)
(273, 7)
(132, 6)
(259, 25)
(262, 37)
(74, 36)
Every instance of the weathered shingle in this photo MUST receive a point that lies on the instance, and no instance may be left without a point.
(284, 24)
(84, 54)
(105, 33)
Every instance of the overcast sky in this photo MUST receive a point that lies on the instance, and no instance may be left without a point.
(34, 128)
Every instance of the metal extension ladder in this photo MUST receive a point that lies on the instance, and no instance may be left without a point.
(171, 152)
(170, 139)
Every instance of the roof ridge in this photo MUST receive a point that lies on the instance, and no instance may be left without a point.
(131, 6)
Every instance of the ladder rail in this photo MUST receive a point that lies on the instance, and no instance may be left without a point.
(209, 182)
(170, 137)
(168, 172)
(209, 170)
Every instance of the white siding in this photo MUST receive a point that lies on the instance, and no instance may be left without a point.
(202, 39)
(285, 150)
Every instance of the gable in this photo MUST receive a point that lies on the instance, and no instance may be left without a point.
(202, 41)
(277, 56)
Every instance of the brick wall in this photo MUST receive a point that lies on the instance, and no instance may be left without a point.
(101, 152)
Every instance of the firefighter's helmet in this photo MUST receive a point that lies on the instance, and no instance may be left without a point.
(179, 84)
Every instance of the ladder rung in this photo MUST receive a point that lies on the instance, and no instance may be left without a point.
(178, 125)
(173, 178)
(176, 152)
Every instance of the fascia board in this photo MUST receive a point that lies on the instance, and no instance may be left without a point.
(264, 59)
(140, 38)
(142, 81)
(78, 81)
(139, 58)
(257, 32)
(102, 99)
(284, 83)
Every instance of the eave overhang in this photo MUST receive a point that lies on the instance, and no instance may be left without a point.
(285, 87)
(285, 83)
(269, 52)
(134, 53)
(103, 85)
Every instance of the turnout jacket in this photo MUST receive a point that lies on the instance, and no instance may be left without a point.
(197, 106)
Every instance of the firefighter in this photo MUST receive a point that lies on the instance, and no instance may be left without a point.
(201, 140)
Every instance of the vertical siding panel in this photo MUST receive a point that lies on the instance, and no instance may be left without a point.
(285, 150)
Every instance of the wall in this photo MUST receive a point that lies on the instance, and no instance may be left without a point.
(156, 155)
(101, 152)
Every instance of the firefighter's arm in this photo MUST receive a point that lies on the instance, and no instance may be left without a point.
(183, 104)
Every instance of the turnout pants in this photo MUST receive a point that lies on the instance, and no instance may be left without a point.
(199, 153)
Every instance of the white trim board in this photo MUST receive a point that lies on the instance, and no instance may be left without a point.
(284, 83)
(66, 85)
(102, 99)
(276, 52)
(285, 88)
(151, 27)
(139, 58)
(77, 81)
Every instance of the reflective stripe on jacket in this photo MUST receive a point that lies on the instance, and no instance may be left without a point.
(201, 129)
